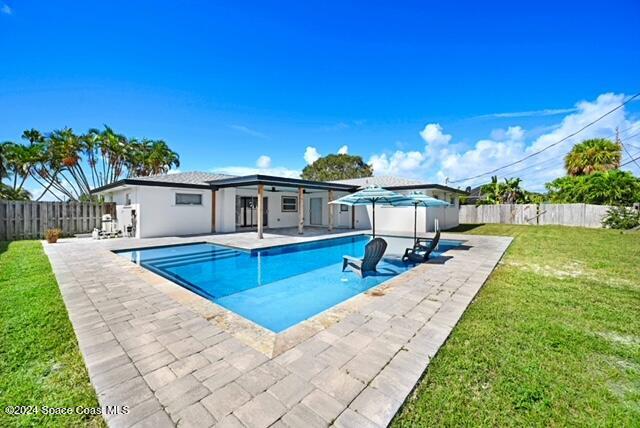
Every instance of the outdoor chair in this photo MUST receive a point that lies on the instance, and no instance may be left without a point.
(420, 253)
(424, 243)
(373, 252)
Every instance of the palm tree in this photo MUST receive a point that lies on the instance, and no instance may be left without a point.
(594, 155)
(68, 165)
(33, 136)
(512, 192)
(160, 158)
(508, 192)
(3, 160)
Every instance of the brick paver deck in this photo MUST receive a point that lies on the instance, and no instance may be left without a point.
(172, 366)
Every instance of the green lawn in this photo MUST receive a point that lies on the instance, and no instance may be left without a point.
(40, 363)
(552, 339)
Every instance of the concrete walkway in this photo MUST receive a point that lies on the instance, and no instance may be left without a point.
(172, 366)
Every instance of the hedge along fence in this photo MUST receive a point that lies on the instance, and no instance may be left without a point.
(581, 215)
(30, 219)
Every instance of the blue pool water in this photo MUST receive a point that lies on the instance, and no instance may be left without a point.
(276, 287)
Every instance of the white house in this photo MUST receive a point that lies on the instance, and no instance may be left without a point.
(197, 202)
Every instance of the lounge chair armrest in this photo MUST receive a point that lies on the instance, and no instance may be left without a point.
(351, 261)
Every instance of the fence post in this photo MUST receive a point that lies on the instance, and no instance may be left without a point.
(3, 221)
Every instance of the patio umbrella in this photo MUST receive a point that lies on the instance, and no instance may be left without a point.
(418, 198)
(370, 196)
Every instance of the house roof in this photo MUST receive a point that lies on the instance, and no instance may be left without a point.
(191, 180)
(207, 180)
(396, 183)
(192, 177)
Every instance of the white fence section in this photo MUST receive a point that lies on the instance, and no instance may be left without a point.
(581, 215)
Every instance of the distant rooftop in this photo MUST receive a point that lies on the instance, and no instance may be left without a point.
(392, 182)
(382, 181)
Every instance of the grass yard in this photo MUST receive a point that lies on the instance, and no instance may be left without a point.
(40, 363)
(552, 339)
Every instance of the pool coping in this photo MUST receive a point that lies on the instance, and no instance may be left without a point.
(260, 338)
(171, 366)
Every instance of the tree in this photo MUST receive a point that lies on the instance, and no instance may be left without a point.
(601, 188)
(68, 165)
(595, 155)
(6, 192)
(508, 192)
(337, 167)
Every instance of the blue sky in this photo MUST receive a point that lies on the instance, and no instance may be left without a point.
(226, 83)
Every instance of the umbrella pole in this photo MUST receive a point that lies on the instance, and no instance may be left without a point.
(374, 219)
(415, 224)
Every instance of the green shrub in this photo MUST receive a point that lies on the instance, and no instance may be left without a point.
(622, 218)
(601, 188)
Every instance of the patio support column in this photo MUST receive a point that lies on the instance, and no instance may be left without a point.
(260, 209)
(330, 198)
(213, 211)
(353, 217)
(300, 210)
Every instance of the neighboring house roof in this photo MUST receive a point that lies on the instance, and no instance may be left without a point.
(380, 180)
(397, 183)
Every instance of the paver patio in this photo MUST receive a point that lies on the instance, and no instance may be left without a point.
(149, 345)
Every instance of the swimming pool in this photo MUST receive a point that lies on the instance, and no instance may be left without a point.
(275, 287)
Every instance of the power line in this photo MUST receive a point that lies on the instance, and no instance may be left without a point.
(551, 145)
(627, 152)
(553, 160)
(633, 159)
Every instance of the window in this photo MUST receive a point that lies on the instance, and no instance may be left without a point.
(127, 198)
(344, 208)
(188, 199)
(289, 204)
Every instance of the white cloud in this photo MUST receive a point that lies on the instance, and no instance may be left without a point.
(530, 113)
(343, 150)
(432, 134)
(399, 163)
(441, 159)
(6, 9)
(311, 155)
(249, 131)
(515, 133)
(263, 162)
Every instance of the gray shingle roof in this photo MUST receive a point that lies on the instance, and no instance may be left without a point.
(382, 181)
(193, 177)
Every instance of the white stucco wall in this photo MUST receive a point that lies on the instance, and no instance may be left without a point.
(401, 219)
(158, 214)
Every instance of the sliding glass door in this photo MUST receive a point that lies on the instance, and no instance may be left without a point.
(247, 211)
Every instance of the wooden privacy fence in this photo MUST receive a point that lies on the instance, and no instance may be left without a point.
(582, 215)
(30, 219)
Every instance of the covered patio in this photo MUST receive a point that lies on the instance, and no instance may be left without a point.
(260, 202)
